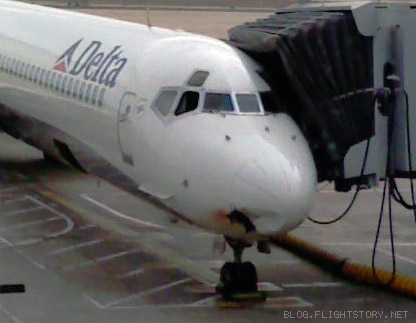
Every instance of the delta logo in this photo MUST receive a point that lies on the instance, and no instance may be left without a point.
(92, 63)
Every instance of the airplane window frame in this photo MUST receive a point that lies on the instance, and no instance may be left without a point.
(174, 102)
(18, 68)
(11, 72)
(81, 92)
(70, 86)
(88, 93)
(258, 101)
(94, 95)
(184, 92)
(47, 77)
(64, 83)
(101, 97)
(36, 75)
(26, 72)
(32, 72)
(52, 80)
(41, 76)
(230, 96)
(196, 76)
(58, 83)
(75, 88)
(4, 64)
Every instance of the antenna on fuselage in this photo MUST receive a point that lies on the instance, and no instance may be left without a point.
(149, 23)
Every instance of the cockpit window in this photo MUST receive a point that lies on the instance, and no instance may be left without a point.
(188, 102)
(165, 101)
(198, 78)
(248, 103)
(217, 102)
(270, 102)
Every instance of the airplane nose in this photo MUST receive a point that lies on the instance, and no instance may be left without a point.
(276, 193)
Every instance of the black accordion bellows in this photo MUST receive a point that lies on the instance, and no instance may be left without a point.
(320, 68)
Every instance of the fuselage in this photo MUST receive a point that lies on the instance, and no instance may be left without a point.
(173, 116)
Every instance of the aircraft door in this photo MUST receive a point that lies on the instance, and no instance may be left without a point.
(128, 109)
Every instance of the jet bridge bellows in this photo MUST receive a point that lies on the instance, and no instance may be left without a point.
(321, 70)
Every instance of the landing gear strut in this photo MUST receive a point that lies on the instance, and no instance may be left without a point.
(238, 280)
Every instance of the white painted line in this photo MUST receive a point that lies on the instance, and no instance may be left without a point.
(386, 252)
(17, 199)
(29, 224)
(94, 302)
(87, 226)
(9, 315)
(204, 302)
(268, 287)
(99, 260)
(286, 302)
(367, 243)
(40, 266)
(119, 214)
(148, 306)
(69, 222)
(7, 242)
(21, 211)
(74, 247)
(130, 273)
(312, 285)
(148, 292)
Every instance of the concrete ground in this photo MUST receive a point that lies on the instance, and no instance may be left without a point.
(88, 252)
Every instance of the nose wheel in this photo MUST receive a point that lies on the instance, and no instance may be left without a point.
(238, 280)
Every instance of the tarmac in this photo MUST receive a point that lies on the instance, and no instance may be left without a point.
(88, 252)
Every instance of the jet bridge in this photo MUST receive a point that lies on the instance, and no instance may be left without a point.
(344, 72)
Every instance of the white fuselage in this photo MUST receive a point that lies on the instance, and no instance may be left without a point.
(89, 87)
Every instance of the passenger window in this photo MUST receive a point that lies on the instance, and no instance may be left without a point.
(58, 82)
(189, 101)
(36, 77)
(165, 101)
(48, 74)
(27, 69)
(70, 83)
(31, 73)
(88, 94)
(12, 67)
(41, 77)
(248, 103)
(52, 82)
(7, 65)
(3, 63)
(81, 91)
(217, 102)
(17, 70)
(94, 95)
(198, 78)
(75, 90)
(101, 98)
(63, 86)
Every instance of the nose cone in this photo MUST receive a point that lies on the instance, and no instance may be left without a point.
(277, 188)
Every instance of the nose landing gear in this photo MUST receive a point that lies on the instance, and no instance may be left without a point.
(238, 280)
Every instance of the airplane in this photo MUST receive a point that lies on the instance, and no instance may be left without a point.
(182, 120)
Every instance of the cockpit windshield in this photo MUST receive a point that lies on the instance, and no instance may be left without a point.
(248, 103)
(218, 102)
